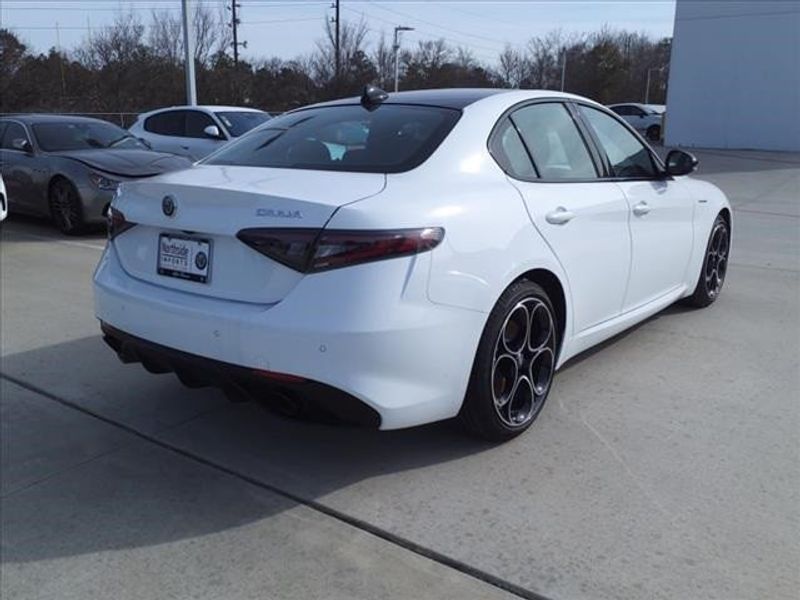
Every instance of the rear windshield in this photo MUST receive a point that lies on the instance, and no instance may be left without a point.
(389, 139)
(239, 122)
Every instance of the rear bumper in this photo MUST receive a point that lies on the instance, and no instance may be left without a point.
(368, 332)
(289, 394)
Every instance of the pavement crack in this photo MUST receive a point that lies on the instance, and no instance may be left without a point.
(365, 526)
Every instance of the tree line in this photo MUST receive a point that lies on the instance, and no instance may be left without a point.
(130, 66)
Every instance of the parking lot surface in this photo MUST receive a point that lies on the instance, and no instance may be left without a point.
(666, 463)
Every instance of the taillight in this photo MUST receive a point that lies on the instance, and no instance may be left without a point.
(313, 250)
(116, 222)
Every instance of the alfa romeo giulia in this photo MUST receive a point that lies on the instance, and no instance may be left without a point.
(397, 259)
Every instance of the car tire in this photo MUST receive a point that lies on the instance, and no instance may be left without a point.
(66, 210)
(715, 266)
(514, 365)
(653, 133)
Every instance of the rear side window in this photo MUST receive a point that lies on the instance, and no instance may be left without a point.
(627, 155)
(554, 141)
(389, 139)
(508, 150)
(172, 122)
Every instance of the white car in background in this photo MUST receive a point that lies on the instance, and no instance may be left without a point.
(446, 263)
(646, 118)
(3, 200)
(195, 131)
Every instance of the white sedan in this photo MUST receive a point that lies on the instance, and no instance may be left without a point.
(400, 259)
(195, 131)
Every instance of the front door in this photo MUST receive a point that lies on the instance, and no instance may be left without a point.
(661, 211)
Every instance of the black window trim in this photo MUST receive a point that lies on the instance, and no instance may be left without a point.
(601, 161)
(27, 134)
(595, 156)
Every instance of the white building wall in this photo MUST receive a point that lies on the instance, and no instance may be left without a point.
(734, 79)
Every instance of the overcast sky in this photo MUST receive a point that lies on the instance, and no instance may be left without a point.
(288, 28)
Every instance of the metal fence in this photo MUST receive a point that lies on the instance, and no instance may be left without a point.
(123, 119)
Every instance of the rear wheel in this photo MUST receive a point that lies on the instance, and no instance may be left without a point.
(715, 266)
(65, 207)
(514, 364)
(653, 133)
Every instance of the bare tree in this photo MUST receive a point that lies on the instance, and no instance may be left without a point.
(383, 59)
(211, 35)
(351, 50)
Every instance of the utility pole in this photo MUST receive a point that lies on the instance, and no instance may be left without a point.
(563, 67)
(647, 87)
(396, 48)
(188, 54)
(235, 27)
(336, 42)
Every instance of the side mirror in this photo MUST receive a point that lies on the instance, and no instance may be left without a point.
(212, 131)
(680, 162)
(22, 145)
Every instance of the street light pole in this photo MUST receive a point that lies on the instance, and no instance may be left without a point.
(563, 67)
(188, 54)
(396, 47)
(647, 88)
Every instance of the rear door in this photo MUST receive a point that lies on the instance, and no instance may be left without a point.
(661, 210)
(582, 217)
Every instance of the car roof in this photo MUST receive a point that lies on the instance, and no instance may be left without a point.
(33, 118)
(446, 97)
(209, 107)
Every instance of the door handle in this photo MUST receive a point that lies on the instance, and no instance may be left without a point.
(559, 216)
(641, 209)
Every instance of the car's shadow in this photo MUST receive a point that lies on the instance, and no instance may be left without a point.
(137, 495)
(121, 500)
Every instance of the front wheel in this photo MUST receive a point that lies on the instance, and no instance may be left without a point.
(514, 364)
(715, 266)
(65, 207)
(653, 133)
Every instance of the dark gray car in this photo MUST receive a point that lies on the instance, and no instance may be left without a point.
(68, 168)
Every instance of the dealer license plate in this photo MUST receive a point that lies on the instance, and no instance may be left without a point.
(184, 257)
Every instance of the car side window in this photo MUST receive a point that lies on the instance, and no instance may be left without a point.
(171, 122)
(622, 110)
(508, 150)
(628, 156)
(196, 122)
(556, 146)
(2, 130)
(13, 132)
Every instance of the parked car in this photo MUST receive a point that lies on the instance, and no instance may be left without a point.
(68, 168)
(647, 118)
(445, 264)
(195, 131)
(3, 200)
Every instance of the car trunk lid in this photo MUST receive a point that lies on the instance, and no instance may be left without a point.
(209, 205)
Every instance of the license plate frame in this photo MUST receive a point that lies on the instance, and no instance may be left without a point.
(179, 256)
